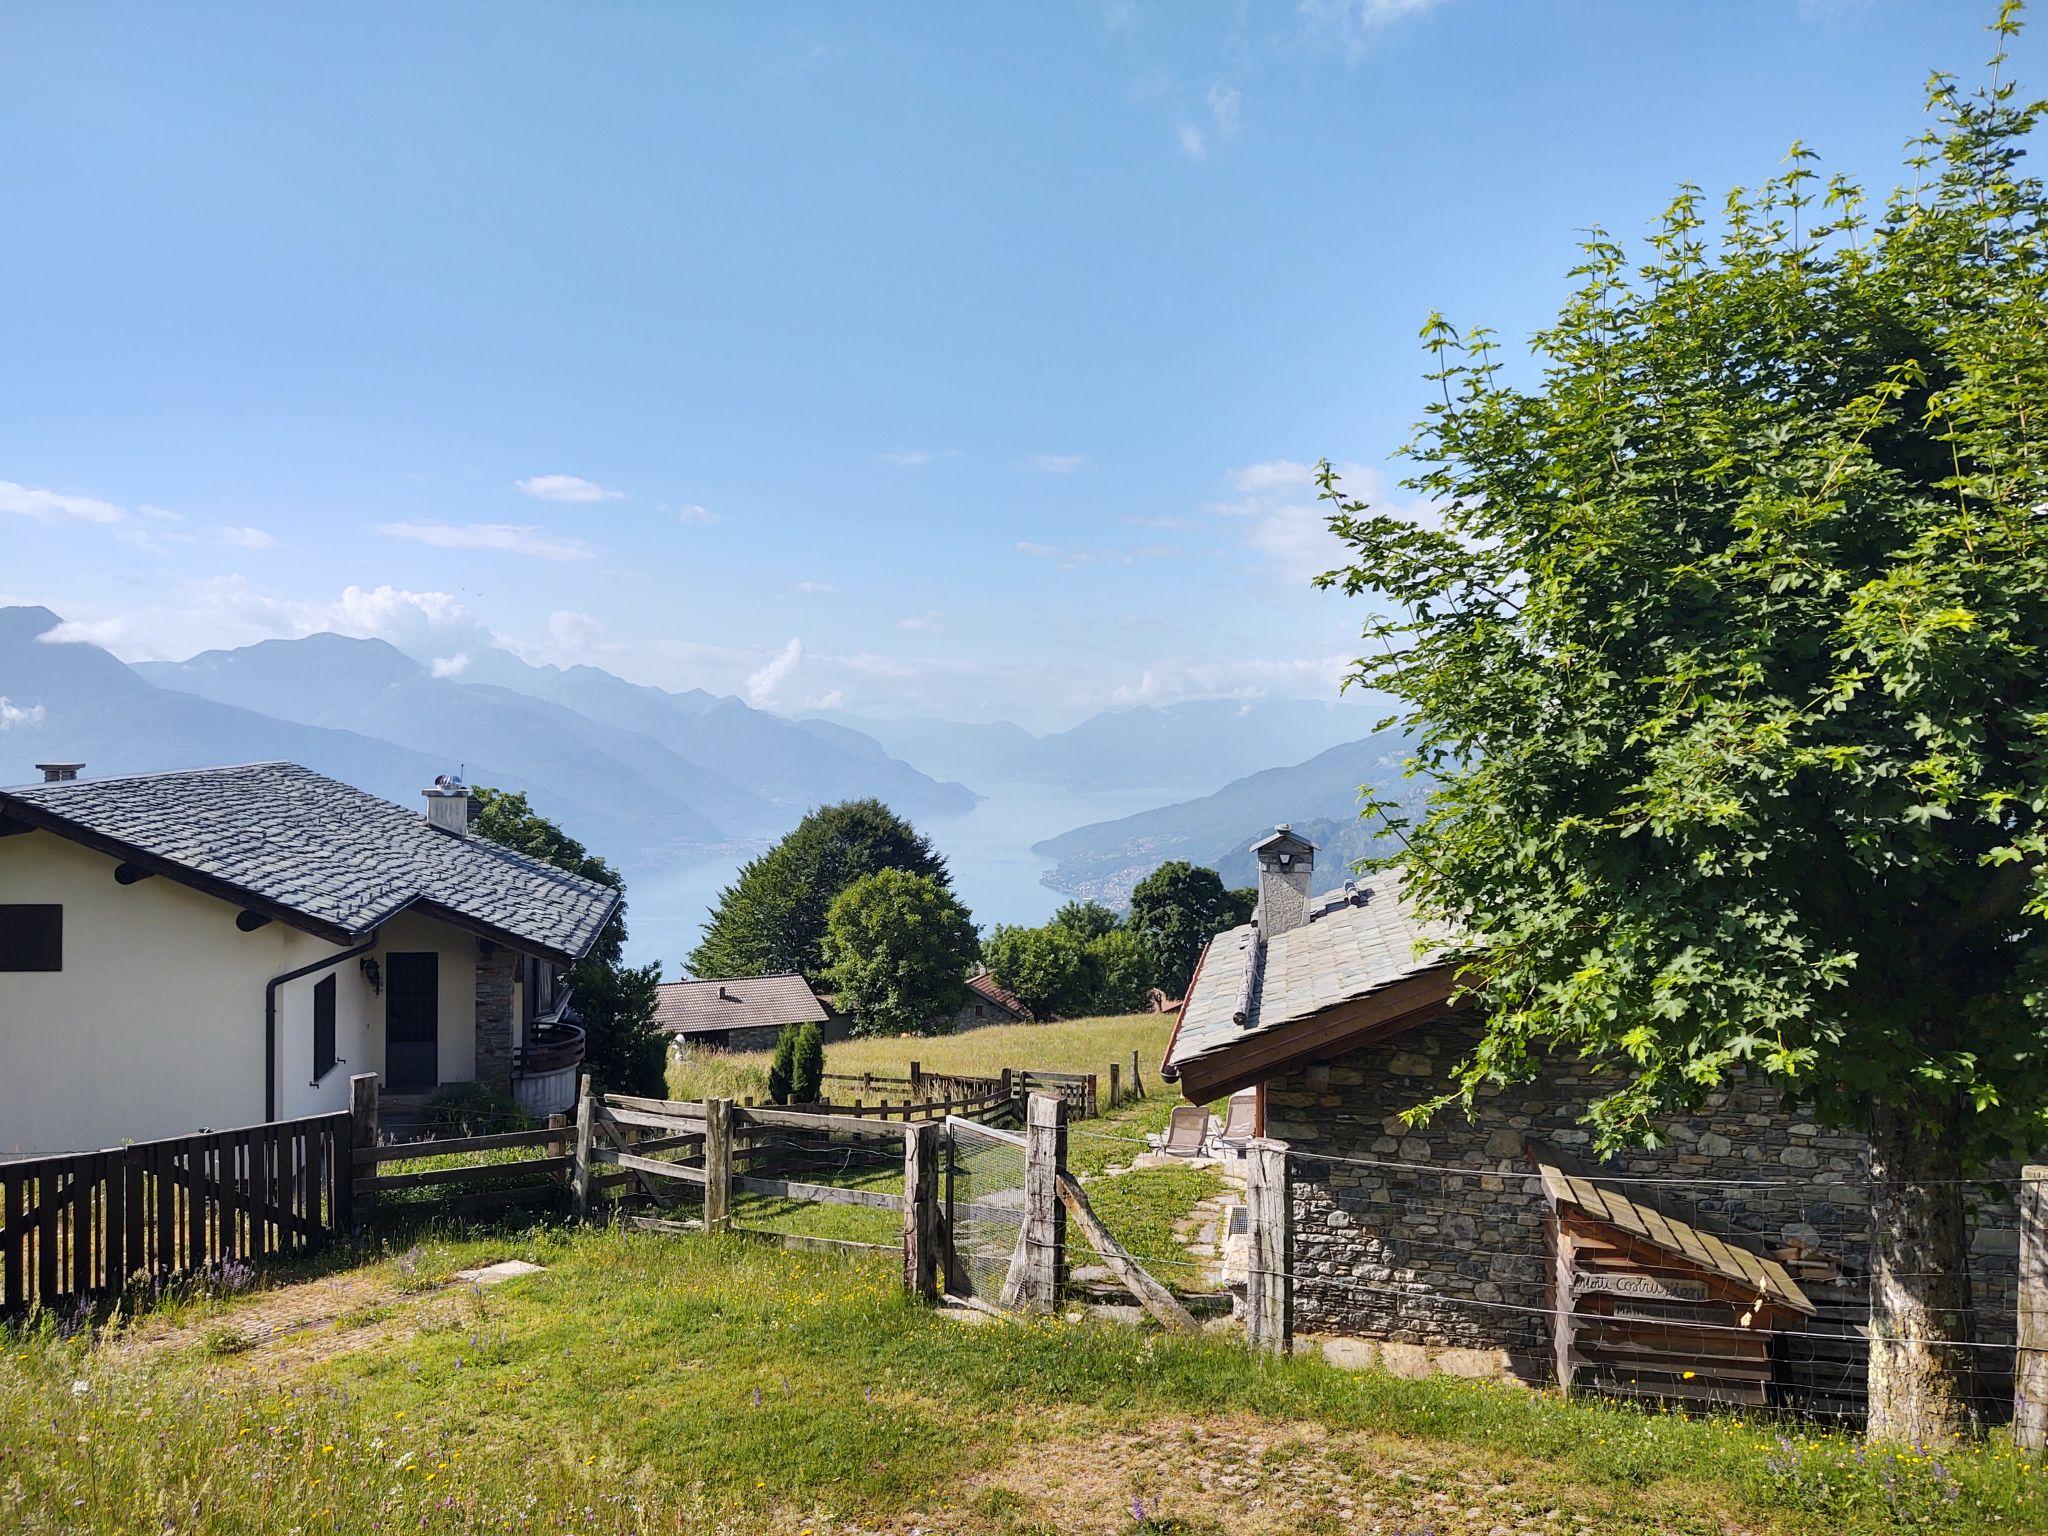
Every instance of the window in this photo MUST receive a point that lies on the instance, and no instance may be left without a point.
(31, 937)
(323, 1029)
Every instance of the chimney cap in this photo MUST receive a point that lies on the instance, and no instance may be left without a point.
(59, 773)
(1284, 846)
(446, 784)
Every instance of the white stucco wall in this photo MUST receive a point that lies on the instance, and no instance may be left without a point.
(155, 1025)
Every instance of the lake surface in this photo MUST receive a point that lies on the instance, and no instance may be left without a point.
(988, 850)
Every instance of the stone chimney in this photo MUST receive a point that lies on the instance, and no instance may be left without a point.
(58, 773)
(448, 804)
(1286, 863)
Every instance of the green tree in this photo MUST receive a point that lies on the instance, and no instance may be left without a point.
(772, 917)
(614, 1001)
(1086, 919)
(807, 1066)
(897, 949)
(1729, 654)
(782, 1066)
(1123, 967)
(1046, 968)
(1177, 909)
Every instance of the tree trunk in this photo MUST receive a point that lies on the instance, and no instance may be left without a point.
(1921, 1365)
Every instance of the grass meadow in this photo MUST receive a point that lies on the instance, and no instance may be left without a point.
(659, 1384)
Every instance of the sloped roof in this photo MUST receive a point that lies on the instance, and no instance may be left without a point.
(736, 1002)
(1357, 941)
(984, 986)
(317, 854)
(1752, 1272)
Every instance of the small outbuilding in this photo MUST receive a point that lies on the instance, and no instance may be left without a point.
(736, 1013)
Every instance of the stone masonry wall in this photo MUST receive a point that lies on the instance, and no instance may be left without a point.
(1404, 1243)
(496, 967)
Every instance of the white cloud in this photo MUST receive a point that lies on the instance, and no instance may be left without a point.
(515, 539)
(931, 618)
(690, 512)
(18, 716)
(1057, 463)
(1074, 559)
(243, 538)
(1225, 110)
(567, 488)
(449, 666)
(766, 681)
(830, 699)
(1041, 551)
(573, 633)
(161, 514)
(1193, 143)
(225, 611)
(1284, 519)
(48, 506)
(1173, 678)
(1351, 25)
(815, 586)
(1135, 520)
(908, 458)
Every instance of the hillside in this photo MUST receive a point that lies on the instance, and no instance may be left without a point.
(1319, 798)
(1192, 747)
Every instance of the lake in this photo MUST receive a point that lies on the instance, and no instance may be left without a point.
(988, 850)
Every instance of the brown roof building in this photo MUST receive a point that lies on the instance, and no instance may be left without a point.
(741, 1013)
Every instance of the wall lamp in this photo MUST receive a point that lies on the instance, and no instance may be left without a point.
(373, 974)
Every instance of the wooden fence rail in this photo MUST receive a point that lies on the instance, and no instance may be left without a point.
(86, 1224)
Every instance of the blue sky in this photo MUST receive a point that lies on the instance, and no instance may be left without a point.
(949, 359)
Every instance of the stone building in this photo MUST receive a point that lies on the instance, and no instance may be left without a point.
(737, 1013)
(1439, 1238)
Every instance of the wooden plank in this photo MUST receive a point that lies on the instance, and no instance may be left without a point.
(80, 1224)
(1152, 1296)
(674, 1109)
(648, 1120)
(579, 1160)
(475, 1173)
(47, 1189)
(845, 1124)
(717, 1176)
(114, 1239)
(13, 1239)
(822, 1194)
(922, 1148)
(612, 1157)
(2030, 1365)
(1014, 1138)
(1269, 1292)
(412, 1151)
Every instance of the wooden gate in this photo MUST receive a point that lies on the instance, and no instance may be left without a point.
(85, 1224)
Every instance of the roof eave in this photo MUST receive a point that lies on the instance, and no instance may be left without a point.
(1380, 1014)
(39, 818)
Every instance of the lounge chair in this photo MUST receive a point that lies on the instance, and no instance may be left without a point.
(1240, 1124)
(1187, 1133)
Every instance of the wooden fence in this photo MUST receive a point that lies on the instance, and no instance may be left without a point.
(88, 1224)
(466, 1187)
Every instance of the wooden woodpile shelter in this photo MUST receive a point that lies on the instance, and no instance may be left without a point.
(1646, 1304)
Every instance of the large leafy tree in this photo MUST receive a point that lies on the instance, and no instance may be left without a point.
(1729, 652)
(1177, 908)
(897, 949)
(614, 1001)
(772, 917)
(1046, 968)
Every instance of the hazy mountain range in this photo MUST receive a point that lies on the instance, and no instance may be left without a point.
(648, 777)
(1318, 798)
(1195, 746)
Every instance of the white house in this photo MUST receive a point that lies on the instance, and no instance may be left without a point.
(212, 948)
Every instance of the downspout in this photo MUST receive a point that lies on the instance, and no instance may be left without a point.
(270, 1017)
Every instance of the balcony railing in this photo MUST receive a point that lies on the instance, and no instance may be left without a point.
(544, 1069)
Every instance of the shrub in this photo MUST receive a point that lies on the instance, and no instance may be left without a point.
(780, 1069)
(807, 1065)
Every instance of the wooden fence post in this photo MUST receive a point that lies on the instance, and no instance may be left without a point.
(1137, 1083)
(921, 1153)
(1092, 1107)
(362, 1111)
(916, 1081)
(1045, 1217)
(1269, 1293)
(1113, 1070)
(717, 1165)
(579, 1171)
(2030, 1367)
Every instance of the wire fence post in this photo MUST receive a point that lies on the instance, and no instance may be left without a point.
(2030, 1365)
(1269, 1293)
(717, 1164)
(922, 1148)
(1045, 1218)
(586, 1126)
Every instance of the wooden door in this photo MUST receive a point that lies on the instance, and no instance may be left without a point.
(412, 1022)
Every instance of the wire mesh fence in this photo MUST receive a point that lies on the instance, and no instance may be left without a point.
(985, 1207)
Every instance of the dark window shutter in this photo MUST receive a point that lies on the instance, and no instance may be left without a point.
(31, 937)
(323, 1029)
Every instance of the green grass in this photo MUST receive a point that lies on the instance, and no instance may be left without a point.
(1140, 1209)
(660, 1384)
(1065, 1045)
